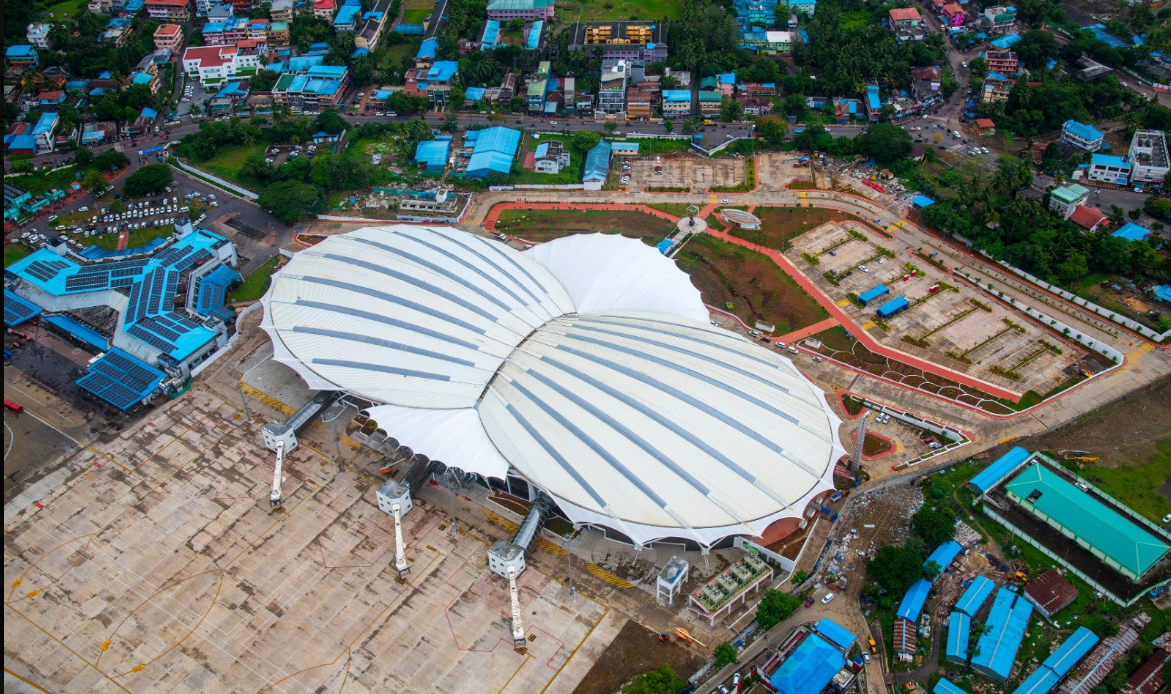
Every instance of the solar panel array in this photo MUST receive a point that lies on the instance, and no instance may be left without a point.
(46, 270)
(120, 379)
(105, 275)
(17, 310)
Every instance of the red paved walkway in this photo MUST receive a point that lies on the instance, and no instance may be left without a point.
(861, 335)
(809, 330)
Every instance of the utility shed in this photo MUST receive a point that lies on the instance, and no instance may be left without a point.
(1050, 592)
(973, 598)
(959, 626)
(1004, 466)
(894, 306)
(912, 603)
(871, 294)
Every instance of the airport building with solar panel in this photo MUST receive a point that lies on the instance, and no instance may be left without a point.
(151, 315)
(583, 375)
(1102, 541)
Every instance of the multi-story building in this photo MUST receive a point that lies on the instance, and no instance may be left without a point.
(23, 56)
(220, 12)
(38, 35)
(240, 6)
(227, 33)
(873, 103)
(258, 29)
(1148, 156)
(213, 64)
(116, 32)
(676, 103)
(169, 36)
(1081, 136)
(1064, 199)
(281, 11)
(612, 88)
(996, 87)
(347, 17)
(278, 34)
(999, 19)
(1109, 169)
(174, 11)
(324, 9)
(953, 15)
(643, 41)
(99, 6)
(1004, 62)
(769, 42)
(320, 88)
(550, 157)
(43, 131)
(709, 102)
(803, 7)
(755, 105)
(640, 102)
(907, 24)
(528, 10)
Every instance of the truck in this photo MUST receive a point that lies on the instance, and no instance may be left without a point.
(873, 646)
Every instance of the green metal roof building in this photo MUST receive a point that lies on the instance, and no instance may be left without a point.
(1107, 534)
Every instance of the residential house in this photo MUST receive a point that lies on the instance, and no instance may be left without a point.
(569, 91)
(1004, 62)
(240, 6)
(219, 12)
(873, 103)
(676, 103)
(278, 34)
(1064, 199)
(999, 19)
(42, 132)
(116, 32)
(347, 17)
(97, 133)
(550, 158)
(439, 78)
(709, 103)
(537, 88)
(927, 79)
(755, 105)
(169, 36)
(145, 79)
(631, 41)
(1081, 136)
(996, 87)
(142, 124)
(612, 89)
(213, 64)
(226, 33)
(174, 11)
(985, 126)
(38, 35)
(50, 100)
(907, 24)
(641, 102)
(1088, 218)
(1109, 169)
(281, 11)
(257, 29)
(769, 42)
(324, 9)
(848, 110)
(99, 6)
(528, 10)
(320, 88)
(1148, 156)
(953, 15)
(426, 53)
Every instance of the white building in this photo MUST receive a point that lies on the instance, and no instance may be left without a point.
(213, 64)
(38, 35)
(612, 89)
(551, 158)
(1082, 136)
(1148, 156)
(1105, 168)
(1065, 199)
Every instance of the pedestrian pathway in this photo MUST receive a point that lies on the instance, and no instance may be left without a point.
(808, 330)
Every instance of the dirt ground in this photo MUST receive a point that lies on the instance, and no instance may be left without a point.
(543, 225)
(780, 225)
(694, 173)
(635, 650)
(753, 284)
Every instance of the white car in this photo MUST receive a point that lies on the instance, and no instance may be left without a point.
(724, 201)
(1167, 518)
(828, 596)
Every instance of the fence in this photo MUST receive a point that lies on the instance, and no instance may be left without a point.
(231, 188)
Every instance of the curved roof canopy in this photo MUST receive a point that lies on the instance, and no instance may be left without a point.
(587, 365)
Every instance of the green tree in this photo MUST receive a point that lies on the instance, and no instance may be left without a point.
(668, 125)
(725, 654)
(585, 140)
(1035, 48)
(799, 577)
(110, 161)
(263, 81)
(1073, 267)
(935, 524)
(610, 127)
(895, 567)
(290, 201)
(775, 607)
(661, 680)
(149, 180)
(885, 143)
(730, 110)
(772, 129)
(255, 168)
(1160, 208)
(83, 157)
(22, 166)
(456, 98)
(330, 121)
(95, 183)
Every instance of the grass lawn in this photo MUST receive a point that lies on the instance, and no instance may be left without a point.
(569, 175)
(678, 209)
(393, 55)
(15, 251)
(619, 10)
(415, 16)
(1136, 482)
(75, 217)
(69, 8)
(41, 182)
(138, 237)
(546, 225)
(256, 284)
(780, 225)
(227, 162)
(651, 146)
(751, 283)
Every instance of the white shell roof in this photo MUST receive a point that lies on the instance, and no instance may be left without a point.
(586, 365)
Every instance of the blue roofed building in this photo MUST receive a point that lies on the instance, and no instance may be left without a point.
(297, 65)
(873, 103)
(533, 34)
(321, 87)
(809, 668)
(212, 292)
(21, 56)
(1109, 169)
(43, 131)
(1081, 136)
(800, 7)
(676, 103)
(836, 633)
(347, 16)
(121, 379)
(973, 598)
(913, 601)
(493, 150)
(873, 293)
(1163, 291)
(944, 555)
(946, 686)
(490, 37)
(995, 473)
(1005, 42)
(1132, 232)
(474, 94)
(1042, 681)
(426, 53)
(922, 201)
(432, 154)
(1071, 651)
(18, 310)
(959, 630)
(78, 331)
(597, 165)
(1004, 629)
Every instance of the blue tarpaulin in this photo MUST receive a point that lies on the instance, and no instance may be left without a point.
(665, 245)
(922, 201)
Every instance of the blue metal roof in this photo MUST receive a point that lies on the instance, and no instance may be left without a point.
(944, 555)
(213, 290)
(1007, 41)
(974, 597)
(121, 380)
(432, 153)
(1041, 681)
(22, 51)
(1071, 651)
(836, 633)
(45, 123)
(534, 39)
(1163, 291)
(665, 246)
(809, 668)
(492, 151)
(677, 95)
(491, 35)
(78, 330)
(1132, 232)
(330, 71)
(442, 71)
(142, 78)
(959, 627)
(597, 162)
(946, 686)
(872, 98)
(347, 14)
(1108, 160)
(148, 112)
(427, 49)
(542, 150)
(912, 603)
(872, 294)
(1082, 130)
(1005, 465)
(474, 93)
(893, 306)
(624, 147)
(17, 310)
(1005, 628)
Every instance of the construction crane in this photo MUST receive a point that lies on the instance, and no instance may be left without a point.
(518, 630)
(276, 499)
(400, 555)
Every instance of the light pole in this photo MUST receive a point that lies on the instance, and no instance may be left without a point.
(569, 544)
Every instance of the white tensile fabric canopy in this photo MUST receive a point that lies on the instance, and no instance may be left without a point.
(587, 365)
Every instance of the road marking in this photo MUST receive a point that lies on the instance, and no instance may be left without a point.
(608, 577)
(867, 325)
(844, 302)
